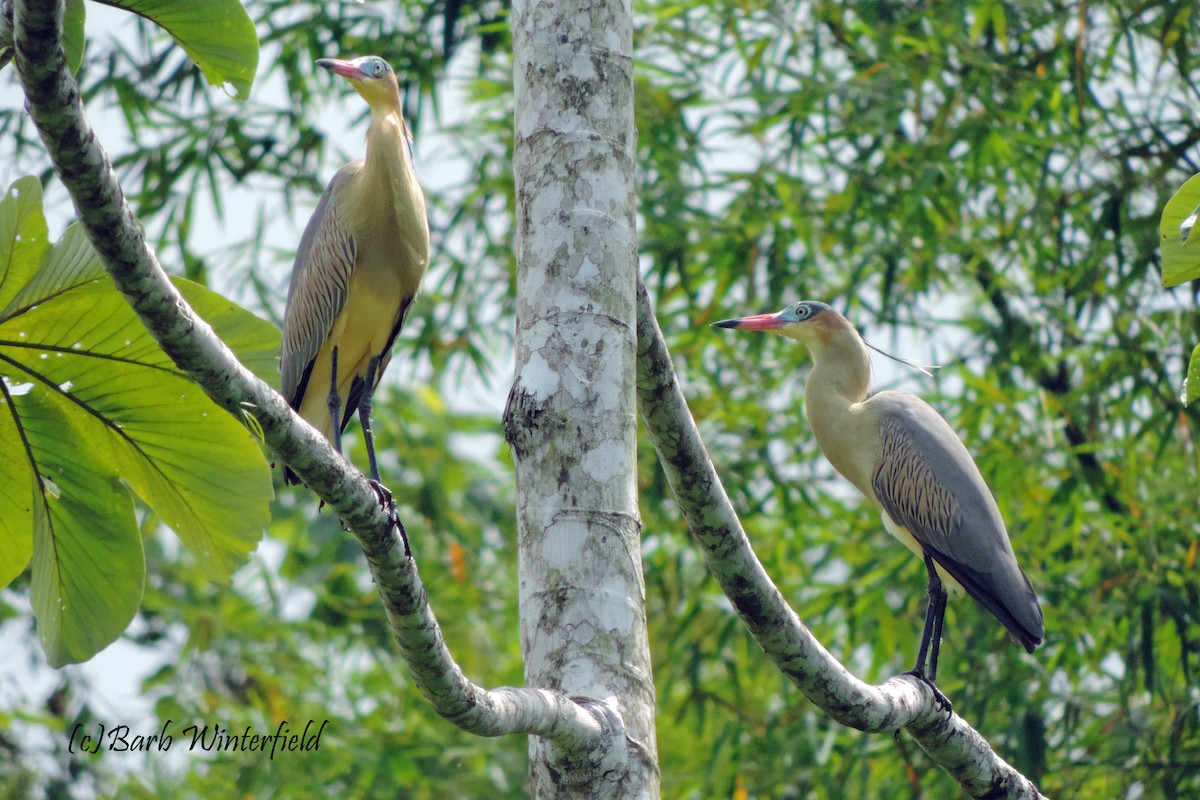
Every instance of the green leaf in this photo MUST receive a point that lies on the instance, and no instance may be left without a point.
(23, 235)
(217, 34)
(1180, 251)
(74, 41)
(254, 340)
(88, 565)
(95, 408)
(72, 262)
(1191, 384)
(17, 491)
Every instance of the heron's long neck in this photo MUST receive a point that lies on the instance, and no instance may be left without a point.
(388, 159)
(389, 197)
(841, 366)
(839, 380)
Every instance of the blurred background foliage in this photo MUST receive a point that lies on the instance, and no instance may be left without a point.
(975, 184)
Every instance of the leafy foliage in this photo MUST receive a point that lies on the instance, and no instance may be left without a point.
(218, 36)
(93, 408)
(74, 42)
(980, 179)
(976, 184)
(1191, 387)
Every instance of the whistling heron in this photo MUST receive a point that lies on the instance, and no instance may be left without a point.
(357, 270)
(908, 461)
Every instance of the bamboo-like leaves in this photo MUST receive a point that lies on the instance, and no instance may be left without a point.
(94, 408)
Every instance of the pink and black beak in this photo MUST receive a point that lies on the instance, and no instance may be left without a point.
(758, 322)
(347, 69)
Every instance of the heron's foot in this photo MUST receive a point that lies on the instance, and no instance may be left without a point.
(384, 496)
(941, 699)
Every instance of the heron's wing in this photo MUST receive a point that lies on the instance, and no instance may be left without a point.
(927, 482)
(317, 291)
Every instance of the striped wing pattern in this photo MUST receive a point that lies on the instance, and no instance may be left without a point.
(926, 481)
(318, 288)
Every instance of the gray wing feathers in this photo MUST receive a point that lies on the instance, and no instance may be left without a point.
(927, 481)
(924, 480)
(318, 288)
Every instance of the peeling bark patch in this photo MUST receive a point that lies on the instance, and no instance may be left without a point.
(521, 420)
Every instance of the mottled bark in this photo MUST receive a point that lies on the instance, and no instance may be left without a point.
(6, 33)
(570, 419)
(83, 167)
(902, 702)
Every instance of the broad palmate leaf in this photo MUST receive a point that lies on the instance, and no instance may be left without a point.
(93, 408)
(217, 34)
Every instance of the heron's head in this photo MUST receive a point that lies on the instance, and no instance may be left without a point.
(808, 322)
(371, 77)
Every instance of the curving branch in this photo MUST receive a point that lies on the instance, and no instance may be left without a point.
(586, 727)
(901, 702)
(6, 32)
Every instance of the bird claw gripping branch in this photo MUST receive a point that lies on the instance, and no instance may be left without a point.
(384, 496)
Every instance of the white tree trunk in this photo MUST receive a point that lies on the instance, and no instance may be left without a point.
(571, 417)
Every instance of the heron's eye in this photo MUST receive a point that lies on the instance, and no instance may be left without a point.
(803, 311)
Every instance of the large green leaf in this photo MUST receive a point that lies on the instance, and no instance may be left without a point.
(217, 34)
(73, 37)
(1180, 243)
(1191, 386)
(93, 408)
(17, 489)
(23, 236)
(88, 566)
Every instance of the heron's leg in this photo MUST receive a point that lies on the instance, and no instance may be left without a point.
(932, 634)
(335, 401)
(364, 416)
(927, 633)
(937, 599)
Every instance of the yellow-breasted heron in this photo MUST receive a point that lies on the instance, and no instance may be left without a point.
(909, 463)
(357, 270)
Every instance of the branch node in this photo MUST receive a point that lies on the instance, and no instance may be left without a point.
(606, 758)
